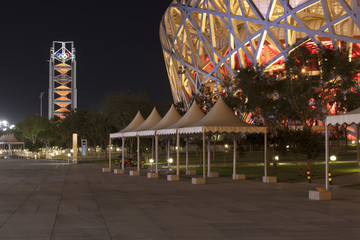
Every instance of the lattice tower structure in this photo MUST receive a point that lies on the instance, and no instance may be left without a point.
(206, 42)
(62, 79)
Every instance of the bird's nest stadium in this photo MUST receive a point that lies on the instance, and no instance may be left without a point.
(205, 42)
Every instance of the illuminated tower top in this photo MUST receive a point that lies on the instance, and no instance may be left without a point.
(62, 79)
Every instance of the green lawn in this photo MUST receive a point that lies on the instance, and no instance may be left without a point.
(289, 172)
(286, 172)
(354, 186)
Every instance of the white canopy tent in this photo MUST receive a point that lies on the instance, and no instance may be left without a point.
(350, 118)
(221, 119)
(136, 122)
(151, 121)
(171, 117)
(193, 115)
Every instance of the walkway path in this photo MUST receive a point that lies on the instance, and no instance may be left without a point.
(44, 200)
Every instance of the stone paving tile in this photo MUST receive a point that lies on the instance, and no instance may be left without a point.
(51, 201)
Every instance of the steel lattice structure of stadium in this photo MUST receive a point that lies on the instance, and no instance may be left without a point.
(205, 42)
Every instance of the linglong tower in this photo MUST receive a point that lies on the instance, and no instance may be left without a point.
(62, 79)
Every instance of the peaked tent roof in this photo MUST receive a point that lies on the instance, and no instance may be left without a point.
(151, 121)
(221, 119)
(348, 118)
(171, 117)
(137, 121)
(9, 139)
(193, 115)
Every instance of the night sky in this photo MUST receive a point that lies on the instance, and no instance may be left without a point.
(117, 49)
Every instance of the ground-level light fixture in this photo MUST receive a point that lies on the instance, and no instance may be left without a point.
(332, 158)
(170, 160)
(151, 161)
(226, 146)
(276, 158)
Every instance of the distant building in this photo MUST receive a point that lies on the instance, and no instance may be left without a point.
(62, 79)
(205, 42)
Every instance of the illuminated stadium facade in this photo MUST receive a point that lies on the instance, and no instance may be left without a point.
(62, 79)
(205, 42)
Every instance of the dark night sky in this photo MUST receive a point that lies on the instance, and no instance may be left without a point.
(117, 49)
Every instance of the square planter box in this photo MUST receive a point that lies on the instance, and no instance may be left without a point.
(134, 173)
(198, 181)
(191, 172)
(214, 174)
(105, 169)
(152, 175)
(173, 178)
(270, 179)
(238, 176)
(319, 194)
(119, 171)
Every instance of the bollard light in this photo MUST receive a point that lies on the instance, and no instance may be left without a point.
(332, 158)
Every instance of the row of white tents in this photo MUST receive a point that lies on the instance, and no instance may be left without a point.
(220, 119)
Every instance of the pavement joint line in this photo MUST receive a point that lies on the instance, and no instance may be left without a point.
(23, 202)
(97, 205)
(142, 210)
(38, 188)
(61, 197)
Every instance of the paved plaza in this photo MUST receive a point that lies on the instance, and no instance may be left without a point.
(40, 199)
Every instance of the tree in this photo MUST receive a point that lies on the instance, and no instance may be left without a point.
(31, 129)
(121, 107)
(290, 102)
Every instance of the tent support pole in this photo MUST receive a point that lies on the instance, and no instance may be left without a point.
(152, 148)
(265, 155)
(357, 143)
(234, 157)
(156, 153)
(326, 157)
(208, 157)
(138, 153)
(177, 154)
(187, 155)
(122, 154)
(109, 152)
(168, 152)
(204, 170)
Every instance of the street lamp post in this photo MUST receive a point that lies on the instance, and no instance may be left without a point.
(41, 96)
